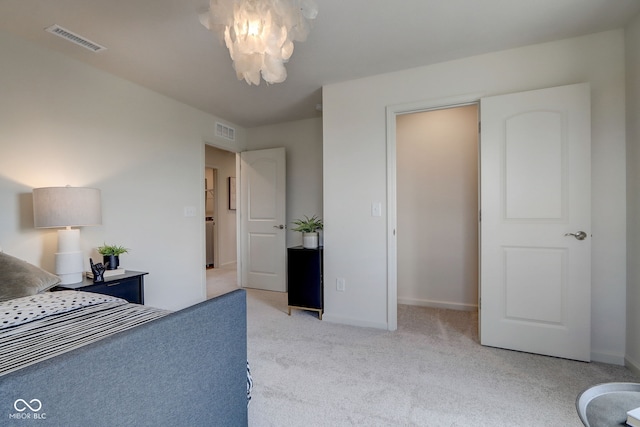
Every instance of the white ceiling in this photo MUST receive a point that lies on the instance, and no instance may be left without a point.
(160, 44)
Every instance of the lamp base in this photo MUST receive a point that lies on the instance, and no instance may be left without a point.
(69, 264)
(68, 279)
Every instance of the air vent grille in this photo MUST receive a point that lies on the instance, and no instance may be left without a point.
(75, 38)
(226, 132)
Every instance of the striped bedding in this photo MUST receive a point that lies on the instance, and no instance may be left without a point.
(38, 327)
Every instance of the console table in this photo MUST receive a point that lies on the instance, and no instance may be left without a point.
(304, 279)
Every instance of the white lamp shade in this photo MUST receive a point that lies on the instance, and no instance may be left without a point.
(66, 207)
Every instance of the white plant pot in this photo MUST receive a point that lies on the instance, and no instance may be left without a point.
(310, 240)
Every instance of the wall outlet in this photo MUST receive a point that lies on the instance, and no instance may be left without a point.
(189, 211)
(340, 284)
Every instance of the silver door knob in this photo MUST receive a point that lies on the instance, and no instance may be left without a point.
(580, 235)
(281, 227)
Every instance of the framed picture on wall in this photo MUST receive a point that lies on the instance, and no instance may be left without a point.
(232, 193)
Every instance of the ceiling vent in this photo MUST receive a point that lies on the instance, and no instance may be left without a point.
(226, 132)
(75, 38)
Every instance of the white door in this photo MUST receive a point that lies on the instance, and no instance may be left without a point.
(535, 285)
(263, 219)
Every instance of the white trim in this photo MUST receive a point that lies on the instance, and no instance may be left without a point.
(632, 365)
(221, 146)
(203, 233)
(438, 304)
(392, 223)
(392, 215)
(240, 249)
(611, 359)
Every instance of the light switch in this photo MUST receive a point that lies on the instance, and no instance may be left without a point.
(376, 209)
(189, 211)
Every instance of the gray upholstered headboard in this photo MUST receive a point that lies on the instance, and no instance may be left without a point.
(187, 368)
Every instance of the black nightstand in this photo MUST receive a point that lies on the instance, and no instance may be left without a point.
(304, 279)
(129, 286)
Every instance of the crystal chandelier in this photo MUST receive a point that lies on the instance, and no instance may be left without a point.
(260, 33)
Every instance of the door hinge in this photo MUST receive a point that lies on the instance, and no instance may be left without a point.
(479, 127)
(479, 216)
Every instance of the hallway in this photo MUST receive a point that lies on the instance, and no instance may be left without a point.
(221, 280)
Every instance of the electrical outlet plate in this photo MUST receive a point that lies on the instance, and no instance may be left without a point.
(340, 284)
(376, 209)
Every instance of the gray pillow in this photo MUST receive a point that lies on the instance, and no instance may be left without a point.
(18, 278)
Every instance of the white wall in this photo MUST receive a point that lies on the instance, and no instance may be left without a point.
(437, 204)
(632, 42)
(355, 168)
(63, 122)
(225, 163)
(302, 141)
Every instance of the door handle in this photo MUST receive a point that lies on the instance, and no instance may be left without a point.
(580, 235)
(281, 227)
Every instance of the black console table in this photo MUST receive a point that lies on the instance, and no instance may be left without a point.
(129, 286)
(304, 279)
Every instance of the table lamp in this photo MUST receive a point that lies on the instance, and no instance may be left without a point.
(55, 207)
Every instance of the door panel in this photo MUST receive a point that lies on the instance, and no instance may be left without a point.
(534, 143)
(535, 189)
(262, 187)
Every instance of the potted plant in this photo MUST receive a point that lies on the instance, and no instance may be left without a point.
(111, 255)
(309, 228)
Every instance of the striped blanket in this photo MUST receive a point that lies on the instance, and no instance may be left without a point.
(38, 327)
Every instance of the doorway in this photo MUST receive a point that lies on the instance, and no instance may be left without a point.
(392, 113)
(437, 207)
(210, 210)
(220, 222)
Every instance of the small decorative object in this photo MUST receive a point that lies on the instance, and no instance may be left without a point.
(111, 255)
(97, 270)
(309, 228)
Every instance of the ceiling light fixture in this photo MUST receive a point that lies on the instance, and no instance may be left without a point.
(260, 33)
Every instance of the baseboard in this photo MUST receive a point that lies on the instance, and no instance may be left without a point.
(328, 317)
(611, 359)
(227, 264)
(438, 304)
(632, 365)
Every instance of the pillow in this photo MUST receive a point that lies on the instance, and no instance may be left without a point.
(18, 278)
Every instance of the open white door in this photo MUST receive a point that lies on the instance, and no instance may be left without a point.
(535, 285)
(263, 219)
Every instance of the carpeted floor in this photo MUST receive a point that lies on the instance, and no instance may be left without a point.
(430, 372)
(221, 280)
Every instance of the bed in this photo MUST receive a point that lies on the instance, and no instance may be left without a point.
(72, 358)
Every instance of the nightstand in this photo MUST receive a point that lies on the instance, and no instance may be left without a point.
(304, 279)
(129, 286)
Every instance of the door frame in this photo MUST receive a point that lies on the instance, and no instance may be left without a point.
(216, 186)
(203, 242)
(392, 111)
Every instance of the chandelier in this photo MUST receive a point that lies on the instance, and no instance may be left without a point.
(260, 34)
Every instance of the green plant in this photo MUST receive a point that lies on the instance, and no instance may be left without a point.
(308, 225)
(116, 250)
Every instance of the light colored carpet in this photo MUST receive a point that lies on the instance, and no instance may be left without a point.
(430, 372)
(221, 280)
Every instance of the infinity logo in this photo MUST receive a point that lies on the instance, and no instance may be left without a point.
(21, 405)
